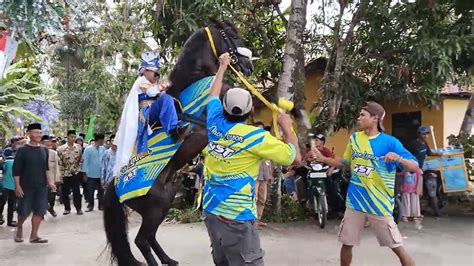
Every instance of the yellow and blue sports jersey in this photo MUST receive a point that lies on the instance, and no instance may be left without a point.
(231, 165)
(372, 182)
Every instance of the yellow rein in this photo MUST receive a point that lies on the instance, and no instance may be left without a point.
(273, 107)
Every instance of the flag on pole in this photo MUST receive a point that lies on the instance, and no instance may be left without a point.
(90, 129)
(8, 48)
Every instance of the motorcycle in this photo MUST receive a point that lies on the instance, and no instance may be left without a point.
(315, 191)
(189, 178)
(340, 182)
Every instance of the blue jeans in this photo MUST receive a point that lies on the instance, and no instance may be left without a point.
(164, 111)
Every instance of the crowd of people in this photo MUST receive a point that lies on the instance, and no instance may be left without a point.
(39, 170)
(238, 169)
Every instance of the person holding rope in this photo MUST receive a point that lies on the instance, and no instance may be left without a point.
(234, 154)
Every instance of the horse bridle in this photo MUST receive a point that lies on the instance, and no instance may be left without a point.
(232, 48)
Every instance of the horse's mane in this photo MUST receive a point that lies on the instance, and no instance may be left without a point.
(182, 74)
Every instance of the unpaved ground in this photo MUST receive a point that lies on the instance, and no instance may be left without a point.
(80, 240)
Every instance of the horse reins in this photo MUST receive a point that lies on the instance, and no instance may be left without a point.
(273, 107)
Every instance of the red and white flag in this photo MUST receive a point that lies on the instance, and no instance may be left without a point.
(8, 48)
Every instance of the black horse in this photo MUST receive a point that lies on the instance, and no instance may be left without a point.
(196, 61)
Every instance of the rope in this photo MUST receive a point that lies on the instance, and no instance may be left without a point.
(273, 107)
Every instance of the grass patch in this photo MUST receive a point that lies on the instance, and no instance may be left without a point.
(291, 211)
(183, 216)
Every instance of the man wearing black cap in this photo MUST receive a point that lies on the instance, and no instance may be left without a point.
(70, 157)
(372, 157)
(31, 183)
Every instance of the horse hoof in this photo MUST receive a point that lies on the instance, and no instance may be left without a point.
(171, 263)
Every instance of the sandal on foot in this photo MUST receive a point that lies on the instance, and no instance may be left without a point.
(18, 240)
(39, 240)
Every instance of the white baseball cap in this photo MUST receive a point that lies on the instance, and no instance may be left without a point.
(237, 102)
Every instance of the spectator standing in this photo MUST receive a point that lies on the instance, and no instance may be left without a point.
(92, 171)
(108, 163)
(31, 183)
(53, 173)
(54, 143)
(411, 192)
(373, 157)
(14, 144)
(82, 180)
(70, 156)
(261, 186)
(8, 189)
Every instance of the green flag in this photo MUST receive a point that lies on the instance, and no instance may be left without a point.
(90, 129)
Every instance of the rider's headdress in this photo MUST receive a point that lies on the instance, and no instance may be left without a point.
(150, 61)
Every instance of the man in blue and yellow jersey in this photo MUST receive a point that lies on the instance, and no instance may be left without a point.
(231, 168)
(373, 157)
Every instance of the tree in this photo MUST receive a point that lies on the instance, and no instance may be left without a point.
(21, 84)
(468, 121)
(291, 81)
(95, 67)
(391, 51)
(36, 20)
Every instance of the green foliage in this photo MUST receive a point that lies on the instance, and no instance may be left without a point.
(464, 141)
(403, 52)
(20, 85)
(33, 18)
(261, 28)
(96, 68)
(291, 211)
(185, 216)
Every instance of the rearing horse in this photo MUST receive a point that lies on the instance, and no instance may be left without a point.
(195, 62)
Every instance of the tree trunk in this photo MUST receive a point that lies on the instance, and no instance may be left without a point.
(333, 94)
(466, 126)
(291, 81)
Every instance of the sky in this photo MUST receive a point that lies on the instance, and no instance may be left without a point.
(310, 11)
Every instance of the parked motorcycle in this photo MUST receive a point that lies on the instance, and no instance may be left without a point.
(189, 177)
(314, 192)
(337, 202)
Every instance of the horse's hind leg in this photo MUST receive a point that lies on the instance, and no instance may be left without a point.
(165, 260)
(147, 231)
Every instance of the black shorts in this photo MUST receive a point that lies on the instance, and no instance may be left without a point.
(34, 200)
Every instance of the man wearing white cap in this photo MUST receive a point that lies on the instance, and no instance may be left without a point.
(235, 150)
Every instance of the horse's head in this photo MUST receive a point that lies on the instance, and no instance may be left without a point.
(226, 38)
(197, 59)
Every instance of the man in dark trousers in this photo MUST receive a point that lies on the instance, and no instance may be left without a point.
(31, 183)
(70, 157)
(93, 171)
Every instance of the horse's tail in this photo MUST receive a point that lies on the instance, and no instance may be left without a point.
(115, 223)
